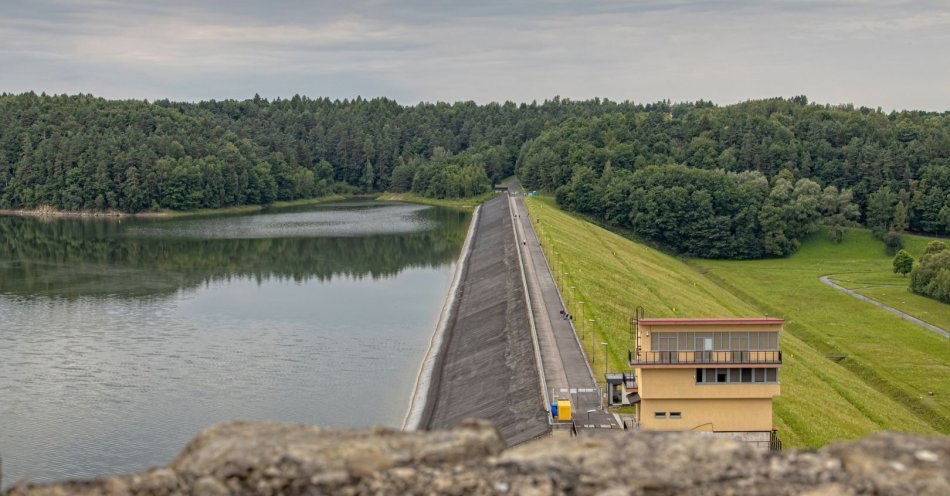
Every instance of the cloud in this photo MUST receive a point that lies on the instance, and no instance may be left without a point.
(872, 53)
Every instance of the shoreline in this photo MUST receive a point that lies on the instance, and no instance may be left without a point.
(49, 212)
(420, 391)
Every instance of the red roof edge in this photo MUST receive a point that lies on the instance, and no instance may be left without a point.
(711, 321)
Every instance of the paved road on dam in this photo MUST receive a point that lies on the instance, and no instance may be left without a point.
(566, 370)
(486, 367)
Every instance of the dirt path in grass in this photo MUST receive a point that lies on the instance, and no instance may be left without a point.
(925, 325)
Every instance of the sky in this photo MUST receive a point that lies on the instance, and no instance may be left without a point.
(876, 53)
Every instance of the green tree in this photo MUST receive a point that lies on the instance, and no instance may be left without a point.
(931, 274)
(368, 179)
(838, 212)
(880, 210)
(903, 263)
(900, 222)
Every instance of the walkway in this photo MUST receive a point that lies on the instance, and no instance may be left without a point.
(566, 370)
(828, 281)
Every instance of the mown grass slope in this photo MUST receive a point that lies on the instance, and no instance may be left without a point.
(821, 400)
(896, 357)
(873, 276)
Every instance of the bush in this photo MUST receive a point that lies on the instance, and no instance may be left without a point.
(931, 276)
(893, 241)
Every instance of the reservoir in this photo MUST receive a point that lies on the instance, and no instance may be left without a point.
(121, 338)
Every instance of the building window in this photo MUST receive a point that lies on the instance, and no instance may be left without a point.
(659, 414)
(676, 415)
(737, 376)
(721, 341)
(746, 375)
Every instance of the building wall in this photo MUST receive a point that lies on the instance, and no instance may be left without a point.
(671, 383)
(703, 407)
(708, 415)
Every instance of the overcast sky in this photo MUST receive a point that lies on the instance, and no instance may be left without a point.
(892, 54)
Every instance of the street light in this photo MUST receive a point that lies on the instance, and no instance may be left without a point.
(593, 331)
(572, 293)
(588, 415)
(605, 363)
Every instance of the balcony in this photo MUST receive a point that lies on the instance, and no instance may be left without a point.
(693, 358)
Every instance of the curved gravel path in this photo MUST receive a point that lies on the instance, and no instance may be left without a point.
(828, 281)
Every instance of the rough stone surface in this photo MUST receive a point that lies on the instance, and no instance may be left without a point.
(273, 458)
(486, 366)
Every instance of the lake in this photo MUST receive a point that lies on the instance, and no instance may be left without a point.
(121, 339)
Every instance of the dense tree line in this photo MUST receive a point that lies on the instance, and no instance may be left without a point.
(751, 179)
(743, 180)
(81, 152)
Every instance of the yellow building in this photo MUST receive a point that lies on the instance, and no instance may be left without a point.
(709, 375)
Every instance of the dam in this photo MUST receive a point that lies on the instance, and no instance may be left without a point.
(486, 364)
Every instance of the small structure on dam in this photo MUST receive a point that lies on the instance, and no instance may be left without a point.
(715, 375)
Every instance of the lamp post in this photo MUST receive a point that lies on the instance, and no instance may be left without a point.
(605, 363)
(593, 331)
(572, 293)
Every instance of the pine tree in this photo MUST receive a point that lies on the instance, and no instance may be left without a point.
(368, 179)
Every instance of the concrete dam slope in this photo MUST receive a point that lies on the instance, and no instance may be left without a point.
(486, 367)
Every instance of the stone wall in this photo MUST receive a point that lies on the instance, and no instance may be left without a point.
(274, 458)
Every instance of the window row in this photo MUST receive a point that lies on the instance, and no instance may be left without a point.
(673, 415)
(714, 341)
(736, 376)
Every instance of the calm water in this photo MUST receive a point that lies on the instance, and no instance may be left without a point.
(119, 340)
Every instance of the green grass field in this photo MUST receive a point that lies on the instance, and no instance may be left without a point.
(891, 363)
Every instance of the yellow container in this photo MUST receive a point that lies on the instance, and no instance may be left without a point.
(564, 410)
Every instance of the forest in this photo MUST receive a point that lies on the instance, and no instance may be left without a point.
(747, 180)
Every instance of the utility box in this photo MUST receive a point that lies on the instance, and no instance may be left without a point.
(564, 410)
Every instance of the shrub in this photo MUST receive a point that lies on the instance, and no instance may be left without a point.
(893, 241)
(931, 275)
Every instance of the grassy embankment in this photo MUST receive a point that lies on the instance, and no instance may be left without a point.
(821, 400)
(468, 203)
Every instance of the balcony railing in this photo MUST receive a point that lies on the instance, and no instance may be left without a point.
(629, 380)
(706, 357)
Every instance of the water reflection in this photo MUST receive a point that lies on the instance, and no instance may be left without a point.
(138, 257)
(120, 340)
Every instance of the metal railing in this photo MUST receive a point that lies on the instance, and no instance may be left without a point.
(775, 444)
(705, 357)
(629, 380)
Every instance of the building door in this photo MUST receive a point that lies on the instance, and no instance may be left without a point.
(707, 349)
